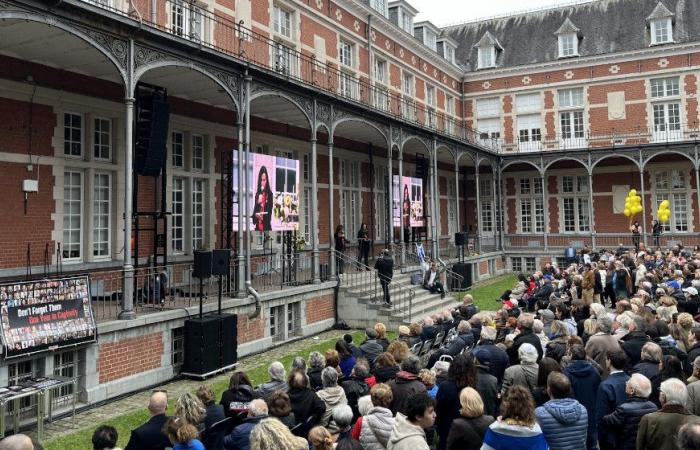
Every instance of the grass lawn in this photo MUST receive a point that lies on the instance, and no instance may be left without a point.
(486, 294)
(127, 422)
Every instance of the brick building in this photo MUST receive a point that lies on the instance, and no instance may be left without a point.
(528, 131)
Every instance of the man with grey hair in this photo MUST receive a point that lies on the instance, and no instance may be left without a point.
(525, 335)
(651, 356)
(491, 355)
(623, 423)
(538, 329)
(342, 418)
(240, 436)
(602, 343)
(17, 442)
(633, 341)
(406, 384)
(523, 374)
(658, 430)
(332, 396)
(277, 381)
(688, 437)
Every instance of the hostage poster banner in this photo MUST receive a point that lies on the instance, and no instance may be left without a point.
(408, 202)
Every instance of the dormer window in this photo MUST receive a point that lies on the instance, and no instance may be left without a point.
(430, 40)
(661, 31)
(450, 54)
(568, 45)
(487, 51)
(568, 36)
(381, 6)
(660, 25)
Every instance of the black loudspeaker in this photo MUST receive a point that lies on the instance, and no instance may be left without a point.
(202, 264)
(151, 133)
(465, 270)
(460, 239)
(228, 339)
(220, 261)
(201, 345)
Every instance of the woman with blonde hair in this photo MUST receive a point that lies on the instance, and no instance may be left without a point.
(517, 426)
(182, 434)
(333, 360)
(320, 439)
(468, 430)
(271, 434)
(382, 340)
(191, 409)
(399, 350)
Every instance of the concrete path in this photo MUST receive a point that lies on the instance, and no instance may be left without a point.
(103, 413)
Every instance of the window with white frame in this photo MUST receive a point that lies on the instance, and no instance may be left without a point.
(72, 134)
(408, 91)
(102, 139)
(568, 45)
(486, 57)
(430, 101)
(381, 181)
(530, 264)
(531, 206)
(488, 118)
(186, 20)
(380, 71)
(571, 117)
(575, 210)
(673, 185)
(350, 197)
(406, 21)
(101, 215)
(451, 207)
(666, 109)
(430, 39)
(347, 85)
(449, 112)
(381, 6)
(282, 22)
(381, 93)
(516, 264)
(198, 195)
(284, 59)
(661, 31)
(346, 53)
(68, 364)
(177, 228)
(293, 319)
(449, 53)
(486, 204)
(197, 152)
(177, 148)
(529, 107)
(72, 215)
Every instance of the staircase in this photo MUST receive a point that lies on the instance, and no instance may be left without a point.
(360, 302)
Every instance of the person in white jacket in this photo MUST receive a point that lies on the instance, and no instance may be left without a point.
(408, 432)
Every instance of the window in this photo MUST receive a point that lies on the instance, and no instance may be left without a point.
(381, 6)
(101, 217)
(380, 71)
(571, 118)
(177, 145)
(284, 59)
(529, 121)
(347, 85)
(531, 210)
(407, 89)
(277, 323)
(197, 214)
(178, 215)
(381, 93)
(186, 20)
(574, 201)
(282, 22)
(486, 57)
(661, 31)
(449, 112)
(306, 212)
(568, 45)
(293, 319)
(666, 109)
(381, 182)
(488, 112)
(69, 364)
(430, 39)
(451, 207)
(673, 185)
(345, 54)
(102, 135)
(350, 197)
(449, 53)
(72, 134)
(406, 22)
(430, 100)
(72, 213)
(516, 264)
(197, 152)
(530, 264)
(486, 203)
(177, 346)
(18, 373)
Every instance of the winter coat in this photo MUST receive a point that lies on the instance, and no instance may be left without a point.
(266, 389)
(213, 441)
(564, 423)
(598, 347)
(623, 423)
(305, 403)
(632, 344)
(429, 332)
(523, 374)
(406, 436)
(459, 343)
(403, 387)
(315, 381)
(467, 433)
(525, 337)
(585, 380)
(518, 290)
(239, 439)
(385, 374)
(650, 369)
(370, 350)
(658, 430)
(376, 429)
(346, 365)
(693, 352)
(332, 397)
(236, 401)
(611, 394)
(693, 403)
(354, 389)
(487, 387)
(496, 359)
(556, 348)
(504, 436)
(446, 410)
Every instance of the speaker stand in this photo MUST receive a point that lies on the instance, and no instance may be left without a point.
(220, 291)
(201, 298)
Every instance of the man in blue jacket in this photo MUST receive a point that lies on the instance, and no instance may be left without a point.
(611, 394)
(564, 421)
(239, 439)
(585, 380)
(623, 423)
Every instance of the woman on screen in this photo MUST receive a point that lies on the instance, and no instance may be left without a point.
(406, 214)
(262, 213)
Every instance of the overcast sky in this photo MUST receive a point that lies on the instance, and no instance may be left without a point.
(446, 12)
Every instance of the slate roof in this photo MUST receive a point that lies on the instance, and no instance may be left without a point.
(605, 26)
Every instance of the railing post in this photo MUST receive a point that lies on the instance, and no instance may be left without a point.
(478, 209)
(331, 195)
(457, 193)
(127, 311)
(591, 217)
(435, 201)
(314, 211)
(401, 219)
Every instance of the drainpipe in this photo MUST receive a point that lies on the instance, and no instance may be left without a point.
(251, 290)
(154, 12)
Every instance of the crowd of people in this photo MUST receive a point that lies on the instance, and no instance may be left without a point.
(601, 354)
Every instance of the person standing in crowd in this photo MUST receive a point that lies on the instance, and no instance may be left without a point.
(150, 436)
(340, 246)
(468, 430)
(635, 229)
(623, 423)
(564, 421)
(585, 380)
(526, 335)
(406, 215)
(612, 392)
(363, 244)
(517, 426)
(105, 438)
(385, 272)
(213, 414)
(409, 429)
(656, 230)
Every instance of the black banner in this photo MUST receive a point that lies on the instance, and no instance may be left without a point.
(45, 315)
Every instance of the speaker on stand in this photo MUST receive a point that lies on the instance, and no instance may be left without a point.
(201, 336)
(465, 271)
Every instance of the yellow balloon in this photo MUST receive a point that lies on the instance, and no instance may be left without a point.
(633, 192)
(627, 212)
(665, 203)
(639, 208)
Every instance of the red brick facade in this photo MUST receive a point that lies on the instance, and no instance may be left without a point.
(321, 308)
(130, 356)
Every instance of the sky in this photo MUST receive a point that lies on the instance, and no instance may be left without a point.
(446, 12)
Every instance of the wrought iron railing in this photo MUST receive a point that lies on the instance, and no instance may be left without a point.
(610, 241)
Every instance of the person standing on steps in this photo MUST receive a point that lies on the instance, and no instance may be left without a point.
(363, 244)
(385, 272)
(340, 247)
